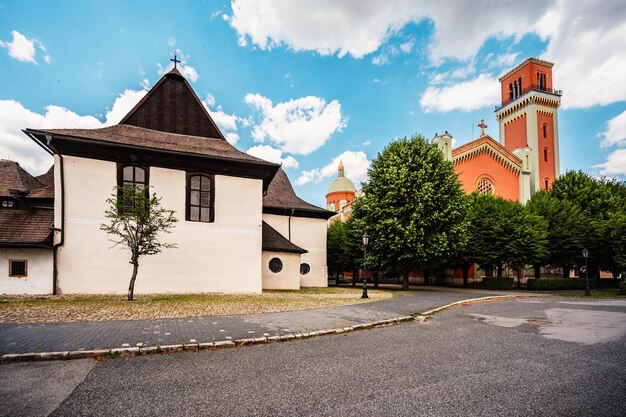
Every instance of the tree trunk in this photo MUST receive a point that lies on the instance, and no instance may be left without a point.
(405, 281)
(519, 273)
(499, 271)
(426, 277)
(566, 270)
(376, 279)
(465, 270)
(537, 271)
(131, 287)
(355, 273)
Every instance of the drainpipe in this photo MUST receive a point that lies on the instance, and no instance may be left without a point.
(55, 270)
(292, 211)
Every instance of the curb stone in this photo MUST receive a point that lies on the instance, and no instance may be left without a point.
(224, 344)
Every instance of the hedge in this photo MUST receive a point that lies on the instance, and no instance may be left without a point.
(498, 283)
(622, 288)
(547, 284)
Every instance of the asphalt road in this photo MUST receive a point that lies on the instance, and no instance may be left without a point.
(544, 357)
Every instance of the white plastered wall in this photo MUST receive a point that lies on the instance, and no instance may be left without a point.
(288, 278)
(310, 234)
(38, 268)
(224, 256)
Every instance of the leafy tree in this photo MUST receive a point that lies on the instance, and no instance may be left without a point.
(413, 207)
(337, 257)
(503, 232)
(134, 220)
(566, 230)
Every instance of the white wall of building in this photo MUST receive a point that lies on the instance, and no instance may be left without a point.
(309, 234)
(39, 271)
(288, 278)
(224, 256)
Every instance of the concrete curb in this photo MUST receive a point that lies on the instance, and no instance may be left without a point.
(225, 344)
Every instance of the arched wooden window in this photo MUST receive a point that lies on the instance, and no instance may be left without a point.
(200, 198)
(545, 130)
(485, 186)
(132, 176)
(545, 154)
(546, 182)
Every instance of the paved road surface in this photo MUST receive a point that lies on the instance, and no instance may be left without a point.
(543, 357)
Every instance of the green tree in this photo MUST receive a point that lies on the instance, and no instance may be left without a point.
(337, 257)
(413, 207)
(503, 232)
(135, 220)
(566, 230)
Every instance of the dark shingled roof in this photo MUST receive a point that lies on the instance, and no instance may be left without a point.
(275, 242)
(47, 178)
(280, 196)
(172, 106)
(142, 137)
(26, 227)
(14, 177)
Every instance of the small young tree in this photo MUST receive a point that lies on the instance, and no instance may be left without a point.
(135, 218)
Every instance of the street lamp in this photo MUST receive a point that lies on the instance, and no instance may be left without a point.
(366, 240)
(587, 290)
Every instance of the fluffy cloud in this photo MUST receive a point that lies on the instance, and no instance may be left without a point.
(14, 117)
(226, 122)
(615, 164)
(298, 126)
(24, 49)
(273, 155)
(355, 164)
(587, 40)
(615, 133)
(468, 95)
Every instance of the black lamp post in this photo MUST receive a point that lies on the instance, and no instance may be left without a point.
(587, 290)
(366, 240)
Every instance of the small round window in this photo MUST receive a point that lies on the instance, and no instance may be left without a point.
(484, 186)
(276, 265)
(305, 269)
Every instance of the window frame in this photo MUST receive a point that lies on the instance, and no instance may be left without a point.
(11, 272)
(188, 190)
(280, 265)
(308, 268)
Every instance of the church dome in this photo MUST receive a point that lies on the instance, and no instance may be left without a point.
(341, 184)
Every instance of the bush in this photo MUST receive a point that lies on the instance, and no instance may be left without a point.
(498, 283)
(622, 287)
(548, 284)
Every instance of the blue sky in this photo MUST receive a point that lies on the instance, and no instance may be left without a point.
(307, 82)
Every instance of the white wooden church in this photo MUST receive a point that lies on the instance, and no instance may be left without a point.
(241, 228)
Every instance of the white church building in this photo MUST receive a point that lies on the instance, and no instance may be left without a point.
(241, 228)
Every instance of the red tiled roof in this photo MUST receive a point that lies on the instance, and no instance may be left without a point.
(26, 227)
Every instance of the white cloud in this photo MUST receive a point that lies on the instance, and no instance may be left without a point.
(24, 49)
(355, 166)
(171, 42)
(187, 71)
(273, 155)
(468, 95)
(226, 122)
(586, 40)
(407, 46)
(298, 126)
(14, 117)
(615, 133)
(615, 164)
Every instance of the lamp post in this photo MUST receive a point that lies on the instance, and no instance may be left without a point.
(366, 240)
(587, 290)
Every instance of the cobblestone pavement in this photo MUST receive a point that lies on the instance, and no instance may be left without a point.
(54, 337)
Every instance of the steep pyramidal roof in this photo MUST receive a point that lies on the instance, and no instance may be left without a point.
(14, 177)
(282, 199)
(274, 241)
(172, 106)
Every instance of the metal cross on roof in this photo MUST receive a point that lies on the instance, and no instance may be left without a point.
(175, 61)
(482, 126)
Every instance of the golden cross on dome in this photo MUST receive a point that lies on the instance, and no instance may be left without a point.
(482, 126)
(175, 61)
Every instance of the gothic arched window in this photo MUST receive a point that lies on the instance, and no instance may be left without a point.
(484, 186)
(546, 182)
(545, 130)
(545, 154)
